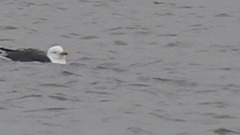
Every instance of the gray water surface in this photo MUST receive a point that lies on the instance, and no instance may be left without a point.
(135, 67)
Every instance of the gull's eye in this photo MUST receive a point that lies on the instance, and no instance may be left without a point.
(55, 52)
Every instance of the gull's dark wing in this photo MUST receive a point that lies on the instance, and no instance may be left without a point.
(25, 55)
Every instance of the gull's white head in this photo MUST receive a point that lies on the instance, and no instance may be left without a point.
(57, 55)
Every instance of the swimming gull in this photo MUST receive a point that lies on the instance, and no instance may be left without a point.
(55, 54)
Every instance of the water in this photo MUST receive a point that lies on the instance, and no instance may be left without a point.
(138, 67)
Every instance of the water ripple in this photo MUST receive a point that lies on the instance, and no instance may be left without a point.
(137, 131)
(52, 109)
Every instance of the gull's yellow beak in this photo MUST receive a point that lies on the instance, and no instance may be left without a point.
(63, 53)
